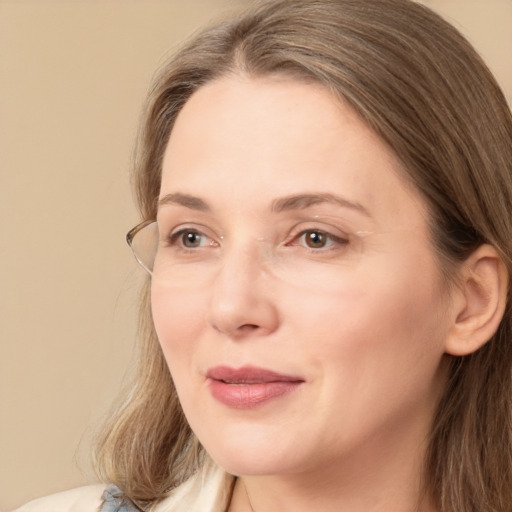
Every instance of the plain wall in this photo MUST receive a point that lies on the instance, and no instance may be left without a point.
(73, 75)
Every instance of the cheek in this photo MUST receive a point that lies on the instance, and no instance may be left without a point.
(384, 327)
(374, 348)
(178, 315)
(368, 301)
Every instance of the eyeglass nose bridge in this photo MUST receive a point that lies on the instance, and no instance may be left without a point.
(144, 251)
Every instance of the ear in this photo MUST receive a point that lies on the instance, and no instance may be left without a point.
(479, 300)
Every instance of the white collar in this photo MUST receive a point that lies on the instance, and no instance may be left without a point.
(208, 490)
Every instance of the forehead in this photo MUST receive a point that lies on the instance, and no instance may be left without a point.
(275, 136)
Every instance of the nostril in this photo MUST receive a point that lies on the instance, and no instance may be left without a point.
(248, 327)
(238, 312)
(240, 330)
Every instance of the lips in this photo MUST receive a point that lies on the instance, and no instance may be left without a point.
(248, 387)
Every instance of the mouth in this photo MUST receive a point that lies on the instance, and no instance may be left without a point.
(249, 387)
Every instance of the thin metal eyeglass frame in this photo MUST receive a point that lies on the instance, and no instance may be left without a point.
(129, 240)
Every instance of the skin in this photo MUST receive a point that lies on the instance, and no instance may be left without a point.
(363, 319)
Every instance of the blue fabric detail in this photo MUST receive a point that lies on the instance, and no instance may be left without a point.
(114, 500)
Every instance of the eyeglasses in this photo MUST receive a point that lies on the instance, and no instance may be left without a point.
(143, 240)
(149, 251)
(163, 257)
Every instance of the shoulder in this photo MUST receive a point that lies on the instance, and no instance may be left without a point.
(81, 499)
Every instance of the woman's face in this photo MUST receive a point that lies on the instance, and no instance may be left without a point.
(296, 294)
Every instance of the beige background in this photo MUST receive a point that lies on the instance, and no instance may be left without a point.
(73, 74)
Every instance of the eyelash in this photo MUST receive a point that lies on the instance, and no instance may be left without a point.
(334, 240)
(176, 239)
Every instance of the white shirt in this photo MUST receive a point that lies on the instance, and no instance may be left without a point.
(208, 490)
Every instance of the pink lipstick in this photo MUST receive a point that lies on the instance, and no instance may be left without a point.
(248, 387)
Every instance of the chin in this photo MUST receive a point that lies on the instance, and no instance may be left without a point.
(241, 465)
(253, 456)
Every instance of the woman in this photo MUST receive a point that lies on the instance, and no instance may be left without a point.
(327, 321)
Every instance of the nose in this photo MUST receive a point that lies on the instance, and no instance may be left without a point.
(242, 301)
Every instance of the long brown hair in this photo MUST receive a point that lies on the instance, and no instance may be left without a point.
(423, 89)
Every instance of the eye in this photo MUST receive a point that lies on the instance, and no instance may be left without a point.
(315, 239)
(319, 239)
(190, 239)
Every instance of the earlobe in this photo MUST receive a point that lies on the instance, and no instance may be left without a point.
(480, 301)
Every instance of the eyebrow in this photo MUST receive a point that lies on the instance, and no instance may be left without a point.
(192, 202)
(293, 202)
(303, 201)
